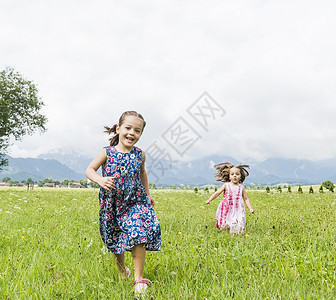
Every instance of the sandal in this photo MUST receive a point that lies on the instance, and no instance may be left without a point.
(140, 286)
(128, 273)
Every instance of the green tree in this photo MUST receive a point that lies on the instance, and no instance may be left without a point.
(6, 179)
(268, 189)
(196, 190)
(327, 184)
(83, 182)
(47, 180)
(30, 183)
(311, 190)
(279, 189)
(19, 110)
(65, 182)
(321, 189)
(331, 189)
(206, 190)
(289, 189)
(94, 185)
(300, 190)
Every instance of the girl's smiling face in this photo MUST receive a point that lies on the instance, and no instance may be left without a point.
(235, 175)
(129, 132)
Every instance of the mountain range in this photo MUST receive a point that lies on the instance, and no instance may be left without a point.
(59, 165)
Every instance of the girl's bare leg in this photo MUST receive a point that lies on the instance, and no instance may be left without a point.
(120, 262)
(139, 254)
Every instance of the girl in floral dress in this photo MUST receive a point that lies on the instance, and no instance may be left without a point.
(231, 210)
(127, 220)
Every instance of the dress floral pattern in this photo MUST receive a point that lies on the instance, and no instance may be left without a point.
(231, 211)
(126, 216)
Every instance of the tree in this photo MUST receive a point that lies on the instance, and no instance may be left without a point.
(321, 189)
(196, 190)
(268, 189)
(65, 182)
(327, 184)
(30, 183)
(311, 190)
(47, 180)
(19, 110)
(300, 190)
(289, 189)
(83, 182)
(152, 186)
(6, 179)
(331, 189)
(279, 189)
(94, 185)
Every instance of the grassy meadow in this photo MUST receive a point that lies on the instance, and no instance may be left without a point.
(51, 249)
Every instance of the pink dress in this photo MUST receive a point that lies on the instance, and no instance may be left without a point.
(231, 211)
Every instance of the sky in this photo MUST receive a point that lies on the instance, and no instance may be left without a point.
(267, 69)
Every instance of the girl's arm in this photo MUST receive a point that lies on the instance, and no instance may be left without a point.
(216, 194)
(247, 202)
(106, 183)
(144, 178)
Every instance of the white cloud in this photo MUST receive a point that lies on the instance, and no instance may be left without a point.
(270, 64)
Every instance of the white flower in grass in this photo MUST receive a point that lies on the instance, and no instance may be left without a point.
(89, 244)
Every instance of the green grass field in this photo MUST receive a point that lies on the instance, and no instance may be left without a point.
(51, 249)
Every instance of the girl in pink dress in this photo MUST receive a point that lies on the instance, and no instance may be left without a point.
(231, 211)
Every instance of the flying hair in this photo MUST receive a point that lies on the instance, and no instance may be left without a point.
(223, 171)
(114, 140)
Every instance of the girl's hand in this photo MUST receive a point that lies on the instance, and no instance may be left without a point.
(251, 210)
(151, 200)
(208, 201)
(107, 183)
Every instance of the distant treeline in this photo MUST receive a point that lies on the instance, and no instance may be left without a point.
(6, 181)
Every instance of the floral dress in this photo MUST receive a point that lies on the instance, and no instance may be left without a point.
(126, 216)
(231, 211)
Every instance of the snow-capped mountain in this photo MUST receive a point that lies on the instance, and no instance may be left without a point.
(59, 164)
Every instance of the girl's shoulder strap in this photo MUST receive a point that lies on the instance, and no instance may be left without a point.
(227, 185)
(137, 151)
(109, 150)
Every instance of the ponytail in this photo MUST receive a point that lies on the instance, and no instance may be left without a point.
(114, 140)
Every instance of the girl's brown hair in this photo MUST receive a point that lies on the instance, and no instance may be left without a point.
(114, 140)
(223, 171)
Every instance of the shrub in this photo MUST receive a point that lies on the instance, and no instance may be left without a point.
(300, 190)
(327, 184)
